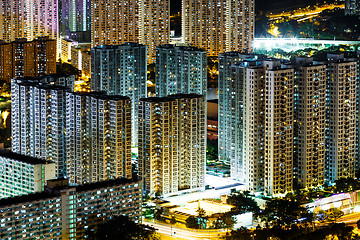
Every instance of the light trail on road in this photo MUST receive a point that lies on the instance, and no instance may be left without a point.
(185, 233)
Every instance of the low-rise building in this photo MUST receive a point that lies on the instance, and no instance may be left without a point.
(22, 174)
(65, 212)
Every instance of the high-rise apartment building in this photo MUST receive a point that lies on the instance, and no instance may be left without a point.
(81, 59)
(309, 122)
(38, 121)
(340, 118)
(172, 143)
(66, 45)
(88, 136)
(218, 26)
(279, 119)
(65, 212)
(232, 77)
(114, 22)
(28, 19)
(74, 15)
(298, 121)
(154, 25)
(20, 175)
(269, 128)
(6, 61)
(98, 137)
(356, 57)
(121, 70)
(254, 131)
(118, 22)
(352, 7)
(180, 69)
(22, 58)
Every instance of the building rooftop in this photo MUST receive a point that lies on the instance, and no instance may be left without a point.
(27, 198)
(38, 82)
(131, 44)
(55, 190)
(102, 95)
(181, 47)
(170, 97)
(107, 183)
(22, 158)
(24, 40)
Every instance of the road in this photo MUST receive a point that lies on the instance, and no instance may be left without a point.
(304, 12)
(169, 232)
(183, 233)
(350, 218)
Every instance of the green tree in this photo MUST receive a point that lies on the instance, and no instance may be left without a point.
(212, 148)
(240, 234)
(66, 68)
(201, 217)
(346, 185)
(201, 212)
(333, 231)
(358, 224)
(334, 214)
(191, 222)
(283, 212)
(173, 220)
(157, 195)
(218, 224)
(121, 227)
(158, 215)
(309, 220)
(243, 203)
(228, 220)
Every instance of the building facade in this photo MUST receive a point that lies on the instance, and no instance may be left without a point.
(221, 26)
(74, 15)
(309, 123)
(114, 22)
(21, 175)
(352, 7)
(38, 121)
(121, 70)
(279, 119)
(298, 121)
(81, 59)
(154, 25)
(232, 82)
(172, 143)
(254, 132)
(340, 119)
(66, 45)
(180, 69)
(63, 212)
(269, 112)
(117, 22)
(22, 58)
(28, 19)
(231, 112)
(98, 139)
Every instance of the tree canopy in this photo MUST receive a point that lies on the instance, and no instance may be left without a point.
(283, 212)
(334, 231)
(121, 227)
(346, 185)
(243, 203)
(192, 222)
